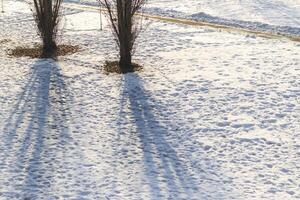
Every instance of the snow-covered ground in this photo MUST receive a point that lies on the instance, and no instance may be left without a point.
(276, 16)
(274, 12)
(213, 115)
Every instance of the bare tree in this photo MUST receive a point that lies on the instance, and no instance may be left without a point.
(47, 17)
(121, 14)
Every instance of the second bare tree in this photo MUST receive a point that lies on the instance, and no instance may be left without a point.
(125, 27)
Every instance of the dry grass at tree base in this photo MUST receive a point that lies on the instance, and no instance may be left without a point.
(37, 51)
(113, 67)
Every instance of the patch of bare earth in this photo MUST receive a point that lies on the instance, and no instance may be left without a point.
(113, 67)
(37, 51)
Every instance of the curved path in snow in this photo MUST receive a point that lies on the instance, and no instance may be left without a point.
(193, 20)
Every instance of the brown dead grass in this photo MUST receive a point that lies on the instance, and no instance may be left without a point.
(37, 51)
(113, 67)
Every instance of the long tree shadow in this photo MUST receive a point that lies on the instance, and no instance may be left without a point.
(34, 132)
(168, 177)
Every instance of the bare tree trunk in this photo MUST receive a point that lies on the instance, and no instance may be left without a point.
(124, 27)
(47, 18)
(125, 59)
(49, 45)
(125, 34)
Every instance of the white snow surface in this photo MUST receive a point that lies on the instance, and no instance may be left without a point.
(213, 115)
(276, 16)
(274, 12)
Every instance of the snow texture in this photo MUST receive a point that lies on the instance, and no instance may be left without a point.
(275, 16)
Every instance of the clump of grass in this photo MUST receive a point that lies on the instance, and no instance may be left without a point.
(114, 67)
(37, 51)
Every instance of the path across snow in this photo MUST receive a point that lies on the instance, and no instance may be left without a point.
(275, 16)
(273, 12)
(213, 115)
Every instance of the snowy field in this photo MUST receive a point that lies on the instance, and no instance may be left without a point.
(276, 16)
(213, 115)
(274, 12)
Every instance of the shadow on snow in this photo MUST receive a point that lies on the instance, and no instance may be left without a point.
(162, 164)
(36, 130)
